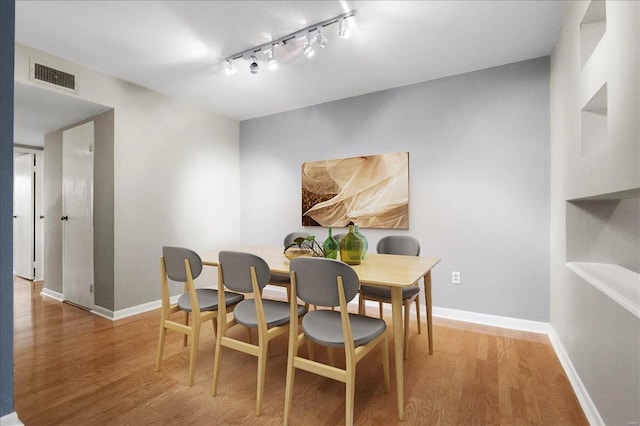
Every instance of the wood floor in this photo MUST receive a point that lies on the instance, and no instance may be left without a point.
(75, 368)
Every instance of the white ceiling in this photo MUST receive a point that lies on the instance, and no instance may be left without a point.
(176, 47)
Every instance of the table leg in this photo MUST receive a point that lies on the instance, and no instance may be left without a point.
(428, 300)
(396, 311)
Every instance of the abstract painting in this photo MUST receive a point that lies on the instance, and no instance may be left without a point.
(371, 191)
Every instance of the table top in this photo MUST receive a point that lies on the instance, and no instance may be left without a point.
(387, 270)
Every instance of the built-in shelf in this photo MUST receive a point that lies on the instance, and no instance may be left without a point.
(604, 229)
(618, 195)
(620, 284)
(592, 28)
(594, 121)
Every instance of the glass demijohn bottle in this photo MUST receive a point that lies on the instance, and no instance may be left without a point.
(330, 246)
(351, 247)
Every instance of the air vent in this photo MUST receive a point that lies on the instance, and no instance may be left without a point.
(53, 76)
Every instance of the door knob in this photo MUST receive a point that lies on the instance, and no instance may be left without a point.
(64, 217)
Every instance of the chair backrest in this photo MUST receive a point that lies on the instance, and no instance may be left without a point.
(317, 280)
(290, 238)
(399, 244)
(338, 237)
(236, 270)
(174, 263)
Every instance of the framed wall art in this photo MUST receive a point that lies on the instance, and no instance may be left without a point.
(372, 191)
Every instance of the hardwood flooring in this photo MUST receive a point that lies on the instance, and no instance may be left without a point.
(75, 368)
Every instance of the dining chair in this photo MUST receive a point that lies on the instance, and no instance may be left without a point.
(331, 283)
(249, 274)
(283, 280)
(338, 237)
(403, 245)
(184, 265)
(291, 237)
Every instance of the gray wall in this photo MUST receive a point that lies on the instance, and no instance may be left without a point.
(7, 19)
(103, 209)
(479, 152)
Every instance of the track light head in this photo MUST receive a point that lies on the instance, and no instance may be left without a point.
(343, 29)
(320, 38)
(228, 68)
(271, 59)
(253, 66)
(307, 48)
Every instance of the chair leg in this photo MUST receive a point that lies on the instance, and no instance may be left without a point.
(216, 363)
(262, 367)
(163, 334)
(407, 311)
(361, 304)
(380, 309)
(385, 364)
(195, 339)
(330, 355)
(291, 371)
(350, 394)
(186, 322)
(249, 336)
(418, 319)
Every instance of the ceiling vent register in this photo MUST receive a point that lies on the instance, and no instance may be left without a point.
(54, 76)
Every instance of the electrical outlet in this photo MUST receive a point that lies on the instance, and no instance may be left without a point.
(455, 277)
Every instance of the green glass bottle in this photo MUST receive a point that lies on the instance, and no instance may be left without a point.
(330, 246)
(351, 247)
(365, 243)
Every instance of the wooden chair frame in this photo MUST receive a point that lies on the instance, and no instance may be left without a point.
(352, 356)
(265, 335)
(198, 317)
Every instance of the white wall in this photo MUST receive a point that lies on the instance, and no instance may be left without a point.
(601, 338)
(478, 148)
(176, 177)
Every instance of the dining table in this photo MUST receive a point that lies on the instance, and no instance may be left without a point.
(384, 270)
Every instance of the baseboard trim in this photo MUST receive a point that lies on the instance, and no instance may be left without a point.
(11, 419)
(589, 408)
(52, 294)
(129, 312)
(490, 320)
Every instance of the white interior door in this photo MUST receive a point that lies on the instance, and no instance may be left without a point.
(77, 214)
(23, 223)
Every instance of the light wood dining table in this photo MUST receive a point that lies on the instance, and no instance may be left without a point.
(385, 270)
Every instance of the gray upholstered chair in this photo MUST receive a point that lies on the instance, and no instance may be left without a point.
(184, 265)
(328, 282)
(249, 274)
(403, 245)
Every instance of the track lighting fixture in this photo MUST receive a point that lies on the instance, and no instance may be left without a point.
(307, 46)
(254, 67)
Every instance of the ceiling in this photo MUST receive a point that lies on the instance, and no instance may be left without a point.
(177, 47)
